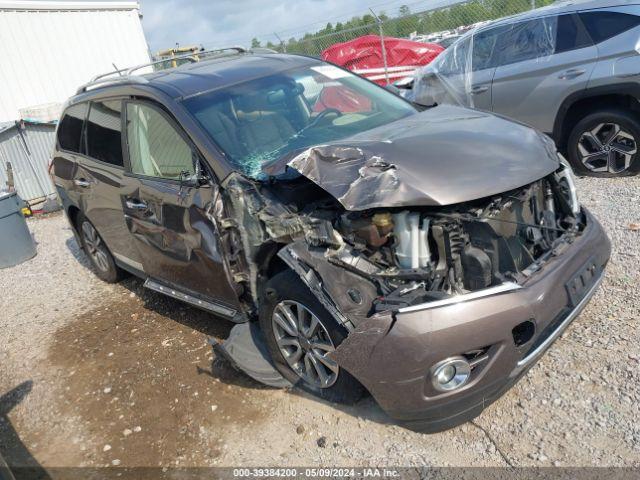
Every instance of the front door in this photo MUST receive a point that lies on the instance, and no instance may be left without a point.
(166, 213)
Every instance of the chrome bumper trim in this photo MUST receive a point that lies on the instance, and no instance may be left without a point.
(562, 327)
(485, 292)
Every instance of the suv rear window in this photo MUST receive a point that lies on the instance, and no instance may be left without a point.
(70, 128)
(604, 25)
(104, 132)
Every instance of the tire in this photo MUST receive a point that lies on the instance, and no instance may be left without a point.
(594, 135)
(104, 266)
(286, 290)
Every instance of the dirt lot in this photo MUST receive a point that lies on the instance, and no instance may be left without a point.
(97, 375)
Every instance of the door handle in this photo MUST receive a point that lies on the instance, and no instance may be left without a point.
(134, 204)
(476, 89)
(572, 73)
(82, 182)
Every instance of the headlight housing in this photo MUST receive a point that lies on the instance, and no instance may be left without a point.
(566, 180)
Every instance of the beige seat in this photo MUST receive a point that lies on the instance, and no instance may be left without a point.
(263, 131)
(223, 130)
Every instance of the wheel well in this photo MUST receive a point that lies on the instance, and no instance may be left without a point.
(275, 266)
(585, 106)
(72, 213)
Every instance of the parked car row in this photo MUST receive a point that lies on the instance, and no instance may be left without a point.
(361, 243)
(570, 70)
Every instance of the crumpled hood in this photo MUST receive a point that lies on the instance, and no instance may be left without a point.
(442, 156)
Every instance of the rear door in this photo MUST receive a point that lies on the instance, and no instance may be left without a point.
(100, 181)
(168, 216)
(68, 153)
(544, 61)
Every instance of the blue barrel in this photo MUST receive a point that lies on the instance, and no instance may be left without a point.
(16, 243)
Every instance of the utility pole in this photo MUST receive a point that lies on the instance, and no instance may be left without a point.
(384, 50)
(284, 45)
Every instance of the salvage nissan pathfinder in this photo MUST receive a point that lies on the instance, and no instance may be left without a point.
(360, 244)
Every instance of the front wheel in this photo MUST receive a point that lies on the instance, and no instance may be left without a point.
(300, 334)
(605, 144)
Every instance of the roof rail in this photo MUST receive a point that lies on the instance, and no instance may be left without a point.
(126, 74)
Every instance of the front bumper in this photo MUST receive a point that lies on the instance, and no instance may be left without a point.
(395, 358)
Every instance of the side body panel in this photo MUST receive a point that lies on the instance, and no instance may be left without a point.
(618, 60)
(531, 91)
(176, 238)
(100, 202)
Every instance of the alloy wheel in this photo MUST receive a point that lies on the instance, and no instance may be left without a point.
(95, 246)
(607, 148)
(304, 343)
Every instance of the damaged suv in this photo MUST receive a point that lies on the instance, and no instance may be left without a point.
(427, 257)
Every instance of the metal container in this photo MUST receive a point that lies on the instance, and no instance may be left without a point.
(16, 243)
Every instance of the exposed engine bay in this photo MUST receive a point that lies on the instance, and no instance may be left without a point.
(359, 263)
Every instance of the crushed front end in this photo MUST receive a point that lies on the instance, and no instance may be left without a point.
(447, 306)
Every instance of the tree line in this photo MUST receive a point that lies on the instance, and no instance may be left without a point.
(403, 24)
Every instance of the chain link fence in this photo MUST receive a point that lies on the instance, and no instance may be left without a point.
(437, 25)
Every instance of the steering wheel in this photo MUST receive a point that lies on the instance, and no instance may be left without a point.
(323, 114)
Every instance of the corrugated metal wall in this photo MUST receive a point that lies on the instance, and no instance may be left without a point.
(29, 152)
(47, 54)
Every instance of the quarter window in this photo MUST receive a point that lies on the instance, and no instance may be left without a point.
(604, 25)
(70, 129)
(156, 149)
(103, 132)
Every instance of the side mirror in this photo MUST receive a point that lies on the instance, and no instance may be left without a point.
(197, 177)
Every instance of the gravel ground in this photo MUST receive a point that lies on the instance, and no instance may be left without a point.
(96, 375)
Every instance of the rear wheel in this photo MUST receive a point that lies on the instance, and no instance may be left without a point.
(103, 263)
(605, 144)
(300, 335)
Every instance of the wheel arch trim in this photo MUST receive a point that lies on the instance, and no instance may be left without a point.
(630, 88)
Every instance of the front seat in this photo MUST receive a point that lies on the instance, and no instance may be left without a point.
(262, 131)
(223, 130)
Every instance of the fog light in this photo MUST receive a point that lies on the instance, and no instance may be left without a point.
(450, 374)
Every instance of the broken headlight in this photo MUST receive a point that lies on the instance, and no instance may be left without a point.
(566, 180)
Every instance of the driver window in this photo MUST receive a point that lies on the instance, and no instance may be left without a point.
(156, 149)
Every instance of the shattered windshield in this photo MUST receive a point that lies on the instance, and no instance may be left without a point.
(262, 120)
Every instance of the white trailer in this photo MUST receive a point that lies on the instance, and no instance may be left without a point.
(49, 48)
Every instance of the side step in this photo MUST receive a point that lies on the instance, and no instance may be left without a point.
(190, 299)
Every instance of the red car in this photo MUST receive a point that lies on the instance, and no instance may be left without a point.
(363, 56)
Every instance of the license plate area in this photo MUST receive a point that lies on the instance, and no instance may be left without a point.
(582, 282)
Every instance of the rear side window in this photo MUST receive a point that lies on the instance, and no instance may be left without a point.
(156, 149)
(104, 132)
(604, 25)
(70, 129)
(570, 34)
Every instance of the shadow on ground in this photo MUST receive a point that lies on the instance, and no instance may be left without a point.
(218, 328)
(12, 449)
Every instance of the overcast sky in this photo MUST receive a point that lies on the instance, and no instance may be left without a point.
(235, 22)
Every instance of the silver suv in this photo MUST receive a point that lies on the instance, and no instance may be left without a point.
(571, 70)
